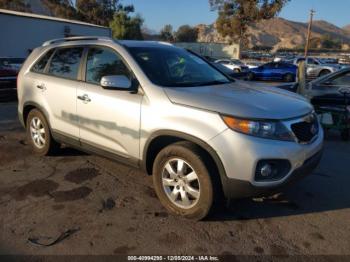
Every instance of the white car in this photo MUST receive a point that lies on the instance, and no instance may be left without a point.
(234, 64)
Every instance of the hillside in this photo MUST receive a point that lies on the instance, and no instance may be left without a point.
(279, 32)
(346, 29)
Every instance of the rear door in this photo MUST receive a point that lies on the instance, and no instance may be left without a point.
(108, 119)
(57, 82)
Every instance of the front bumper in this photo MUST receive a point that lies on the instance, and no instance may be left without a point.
(240, 155)
(235, 188)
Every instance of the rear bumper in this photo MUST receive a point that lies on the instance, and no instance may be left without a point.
(235, 188)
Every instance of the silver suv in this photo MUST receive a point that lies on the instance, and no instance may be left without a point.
(202, 136)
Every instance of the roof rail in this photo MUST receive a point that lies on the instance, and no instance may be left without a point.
(76, 38)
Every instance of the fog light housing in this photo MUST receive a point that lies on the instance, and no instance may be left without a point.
(266, 170)
(272, 169)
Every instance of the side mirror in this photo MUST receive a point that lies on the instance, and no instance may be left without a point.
(117, 82)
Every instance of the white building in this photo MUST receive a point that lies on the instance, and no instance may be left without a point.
(22, 32)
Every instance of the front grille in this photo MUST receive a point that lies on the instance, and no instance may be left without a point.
(306, 130)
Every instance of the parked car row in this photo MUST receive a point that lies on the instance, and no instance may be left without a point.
(281, 69)
(9, 68)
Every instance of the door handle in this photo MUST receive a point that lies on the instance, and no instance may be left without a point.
(41, 86)
(84, 98)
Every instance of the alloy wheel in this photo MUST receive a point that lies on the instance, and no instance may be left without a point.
(181, 183)
(37, 132)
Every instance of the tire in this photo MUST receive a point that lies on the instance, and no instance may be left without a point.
(236, 70)
(345, 135)
(324, 72)
(39, 134)
(288, 78)
(170, 158)
(250, 76)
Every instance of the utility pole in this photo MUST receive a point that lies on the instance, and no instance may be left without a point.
(312, 12)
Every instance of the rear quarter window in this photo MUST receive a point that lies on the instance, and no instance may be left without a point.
(39, 66)
(65, 62)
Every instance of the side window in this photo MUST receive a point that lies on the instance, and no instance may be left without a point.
(104, 62)
(312, 61)
(39, 66)
(65, 62)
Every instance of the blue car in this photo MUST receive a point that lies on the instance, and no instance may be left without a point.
(276, 71)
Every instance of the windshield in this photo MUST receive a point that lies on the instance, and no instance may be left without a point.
(237, 62)
(175, 67)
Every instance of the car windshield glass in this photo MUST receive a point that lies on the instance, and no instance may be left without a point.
(175, 67)
(236, 62)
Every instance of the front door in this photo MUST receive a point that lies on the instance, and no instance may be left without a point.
(108, 119)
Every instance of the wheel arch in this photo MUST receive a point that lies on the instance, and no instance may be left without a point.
(163, 138)
(321, 73)
(29, 106)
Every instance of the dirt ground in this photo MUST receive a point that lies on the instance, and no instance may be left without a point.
(74, 203)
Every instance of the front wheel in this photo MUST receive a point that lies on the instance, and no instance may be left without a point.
(250, 76)
(182, 181)
(289, 78)
(324, 72)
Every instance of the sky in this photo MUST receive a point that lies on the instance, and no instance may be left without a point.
(157, 13)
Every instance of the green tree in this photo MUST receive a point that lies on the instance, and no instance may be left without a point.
(98, 12)
(62, 8)
(125, 26)
(235, 16)
(327, 42)
(15, 5)
(167, 33)
(186, 33)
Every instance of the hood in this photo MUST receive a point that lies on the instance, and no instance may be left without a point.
(241, 99)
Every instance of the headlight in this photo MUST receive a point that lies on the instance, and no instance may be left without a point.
(265, 129)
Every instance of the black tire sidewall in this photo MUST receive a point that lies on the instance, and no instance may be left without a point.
(204, 204)
(324, 72)
(48, 140)
(288, 78)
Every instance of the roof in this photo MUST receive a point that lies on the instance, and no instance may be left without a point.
(44, 17)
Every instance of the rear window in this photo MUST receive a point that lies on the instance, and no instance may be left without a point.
(65, 62)
(39, 66)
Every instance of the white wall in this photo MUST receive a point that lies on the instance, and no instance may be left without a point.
(19, 34)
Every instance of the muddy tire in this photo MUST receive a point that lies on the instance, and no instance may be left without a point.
(39, 134)
(182, 181)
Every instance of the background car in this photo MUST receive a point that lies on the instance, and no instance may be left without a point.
(276, 71)
(8, 77)
(228, 72)
(316, 68)
(234, 64)
(9, 68)
(325, 90)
